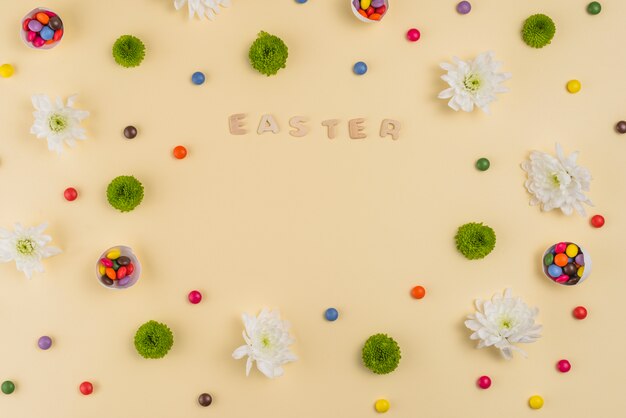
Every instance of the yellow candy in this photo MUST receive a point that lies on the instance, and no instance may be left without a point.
(571, 250)
(581, 271)
(102, 269)
(382, 405)
(535, 402)
(114, 254)
(6, 70)
(365, 4)
(573, 86)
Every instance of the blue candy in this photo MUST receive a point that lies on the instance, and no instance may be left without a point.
(331, 314)
(46, 33)
(555, 271)
(301, 1)
(360, 68)
(197, 78)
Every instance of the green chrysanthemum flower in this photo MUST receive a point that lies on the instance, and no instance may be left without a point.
(125, 193)
(268, 54)
(129, 51)
(381, 354)
(475, 240)
(538, 30)
(153, 340)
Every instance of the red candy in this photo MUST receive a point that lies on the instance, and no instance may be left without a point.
(381, 10)
(25, 23)
(86, 388)
(70, 194)
(580, 312)
(31, 36)
(129, 269)
(122, 272)
(563, 366)
(58, 35)
(560, 247)
(369, 10)
(194, 297)
(484, 382)
(597, 221)
(38, 42)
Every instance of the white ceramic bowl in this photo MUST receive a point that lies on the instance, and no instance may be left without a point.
(364, 19)
(24, 34)
(134, 277)
(586, 261)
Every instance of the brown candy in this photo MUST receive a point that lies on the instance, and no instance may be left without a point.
(621, 127)
(55, 23)
(570, 269)
(106, 280)
(130, 132)
(123, 260)
(205, 399)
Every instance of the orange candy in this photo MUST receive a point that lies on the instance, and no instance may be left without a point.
(362, 13)
(42, 18)
(418, 292)
(111, 274)
(375, 16)
(560, 260)
(180, 152)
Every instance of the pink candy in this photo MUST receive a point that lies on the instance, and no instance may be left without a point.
(106, 262)
(560, 247)
(562, 278)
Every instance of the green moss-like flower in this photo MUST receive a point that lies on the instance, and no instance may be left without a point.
(125, 193)
(129, 51)
(268, 54)
(475, 240)
(538, 30)
(381, 354)
(153, 340)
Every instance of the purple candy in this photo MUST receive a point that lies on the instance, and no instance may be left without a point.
(378, 3)
(44, 342)
(464, 7)
(124, 281)
(580, 259)
(35, 25)
(356, 4)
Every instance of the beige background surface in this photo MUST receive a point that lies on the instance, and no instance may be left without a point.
(304, 224)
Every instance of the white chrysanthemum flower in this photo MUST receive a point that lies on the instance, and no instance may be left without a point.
(27, 246)
(57, 122)
(267, 342)
(473, 82)
(557, 182)
(502, 322)
(203, 8)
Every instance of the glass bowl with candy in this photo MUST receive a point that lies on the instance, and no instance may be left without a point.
(566, 263)
(118, 268)
(41, 29)
(369, 11)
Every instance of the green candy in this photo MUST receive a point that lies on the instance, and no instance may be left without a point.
(8, 387)
(594, 8)
(115, 265)
(483, 164)
(548, 259)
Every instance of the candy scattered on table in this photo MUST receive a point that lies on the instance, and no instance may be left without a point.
(382, 406)
(205, 399)
(130, 132)
(86, 388)
(580, 312)
(370, 9)
(573, 86)
(484, 382)
(621, 127)
(597, 221)
(6, 70)
(413, 35)
(70, 194)
(42, 27)
(8, 387)
(194, 297)
(180, 152)
(331, 314)
(482, 164)
(564, 263)
(563, 366)
(418, 292)
(360, 68)
(594, 8)
(197, 78)
(535, 402)
(464, 7)
(44, 342)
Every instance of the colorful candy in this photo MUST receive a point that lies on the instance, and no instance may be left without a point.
(8, 387)
(597, 221)
(130, 132)
(418, 292)
(331, 314)
(44, 342)
(197, 78)
(194, 297)
(115, 269)
(571, 250)
(573, 86)
(70, 194)
(359, 68)
(205, 399)
(621, 127)
(563, 366)
(413, 35)
(42, 28)
(121, 272)
(594, 8)
(370, 9)
(564, 263)
(580, 312)
(86, 388)
(180, 152)
(6, 70)
(482, 164)
(560, 260)
(484, 382)
(535, 402)
(382, 406)
(463, 7)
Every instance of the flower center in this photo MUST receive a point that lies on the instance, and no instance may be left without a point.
(25, 246)
(57, 122)
(506, 323)
(265, 341)
(555, 180)
(472, 82)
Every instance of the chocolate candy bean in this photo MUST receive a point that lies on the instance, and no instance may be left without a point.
(106, 281)
(55, 23)
(123, 261)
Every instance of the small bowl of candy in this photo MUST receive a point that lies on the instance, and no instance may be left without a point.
(566, 263)
(41, 29)
(118, 268)
(369, 11)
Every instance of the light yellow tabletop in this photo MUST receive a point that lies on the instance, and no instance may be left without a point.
(303, 224)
